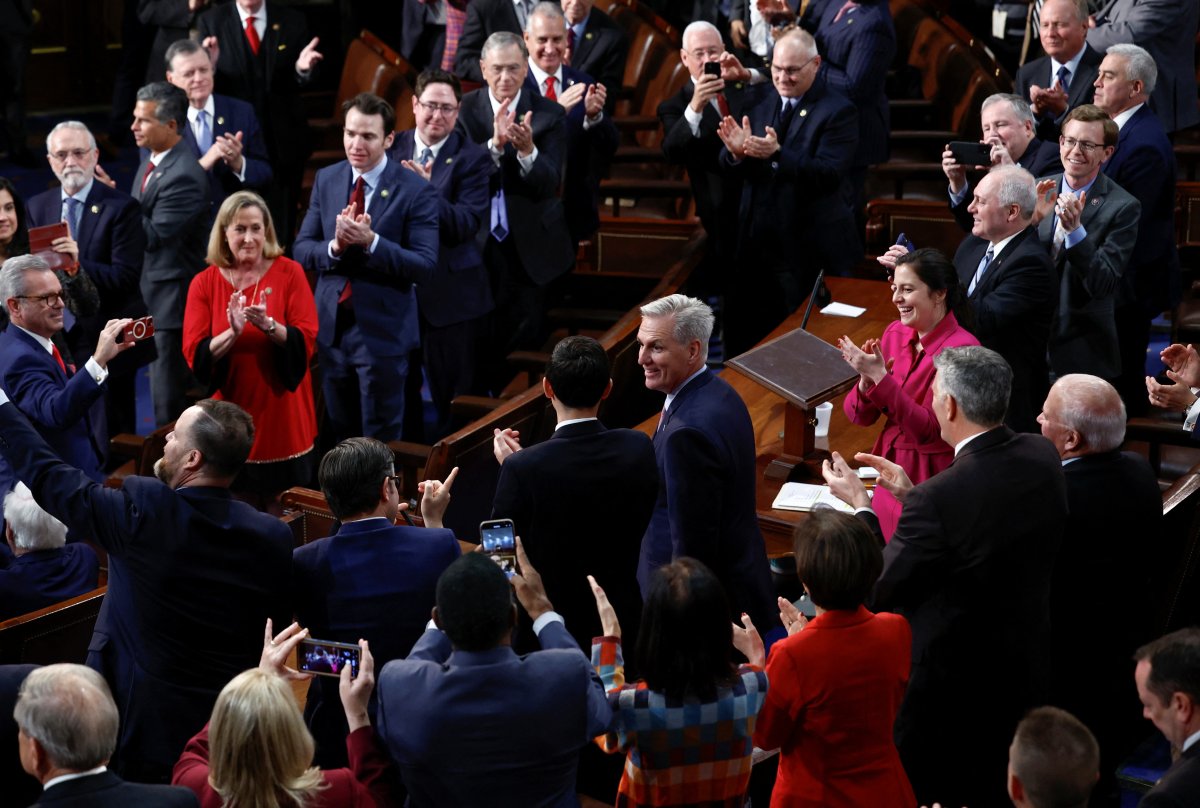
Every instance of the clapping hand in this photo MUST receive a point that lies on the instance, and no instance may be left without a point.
(748, 641)
(892, 477)
(844, 483)
(792, 618)
(734, 136)
(868, 361)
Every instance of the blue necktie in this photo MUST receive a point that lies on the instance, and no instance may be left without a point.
(204, 138)
(499, 216)
(426, 157)
(73, 206)
(983, 267)
(1064, 79)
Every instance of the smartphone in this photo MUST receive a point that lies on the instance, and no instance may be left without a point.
(500, 543)
(971, 154)
(327, 658)
(139, 329)
(712, 68)
(904, 242)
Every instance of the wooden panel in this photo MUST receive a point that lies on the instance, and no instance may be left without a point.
(75, 49)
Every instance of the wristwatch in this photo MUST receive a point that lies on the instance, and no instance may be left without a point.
(270, 330)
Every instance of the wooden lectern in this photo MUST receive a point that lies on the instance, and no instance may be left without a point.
(806, 371)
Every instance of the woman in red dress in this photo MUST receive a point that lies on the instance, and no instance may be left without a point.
(248, 333)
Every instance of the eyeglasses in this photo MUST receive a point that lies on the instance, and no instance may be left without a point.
(1084, 146)
(792, 72)
(434, 109)
(395, 478)
(46, 300)
(78, 154)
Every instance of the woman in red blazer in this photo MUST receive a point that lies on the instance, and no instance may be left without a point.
(837, 680)
(256, 750)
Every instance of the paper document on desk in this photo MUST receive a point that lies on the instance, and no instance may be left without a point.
(843, 310)
(805, 497)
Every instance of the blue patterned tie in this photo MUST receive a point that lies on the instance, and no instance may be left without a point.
(73, 208)
(204, 138)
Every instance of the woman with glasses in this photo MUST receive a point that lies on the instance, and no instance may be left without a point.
(896, 371)
(248, 333)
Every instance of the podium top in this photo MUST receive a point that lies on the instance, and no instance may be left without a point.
(803, 368)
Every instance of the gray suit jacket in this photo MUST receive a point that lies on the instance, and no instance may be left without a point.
(1083, 336)
(175, 221)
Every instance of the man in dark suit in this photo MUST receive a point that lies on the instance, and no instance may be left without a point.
(484, 18)
(267, 70)
(857, 46)
(1089, 225)
(54, 395)
(970, 566)
(371, 232)
(582, 469)
(1085, 420)
(1010, 285)
(372, 580)
(442, 727)
(1167, 30)
(1007, 123)
(704, 447)
(596, 45)
(689, 120)
(1168, 683)
(193, 574)
(1143, 164)
(527, 242)
(173, 192)
(794, 152)
(43, 569)
(1062, 79)
(591, 136)
(454, 303)
(108, 242)
(222, 132)
(68, 729)
(19, 786)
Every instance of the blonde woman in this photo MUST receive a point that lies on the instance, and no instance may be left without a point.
(257, 753)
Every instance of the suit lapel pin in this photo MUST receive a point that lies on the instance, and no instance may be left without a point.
(849, 20)
(1095, 202)
(803, 112)
(275, 27)
(449, 160)
(283, 47)
(95, 208)
(220, 120)
(383, 192)
(588, 35)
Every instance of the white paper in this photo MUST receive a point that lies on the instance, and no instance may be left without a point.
(805, 497)
(842, 310)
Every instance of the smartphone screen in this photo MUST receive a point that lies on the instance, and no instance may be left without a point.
(500, 543)
(712, 68)
(327, 658)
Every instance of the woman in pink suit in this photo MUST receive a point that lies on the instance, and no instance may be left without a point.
(896, 371)
(837, 681)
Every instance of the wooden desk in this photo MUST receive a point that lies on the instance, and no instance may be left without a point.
(766, 408)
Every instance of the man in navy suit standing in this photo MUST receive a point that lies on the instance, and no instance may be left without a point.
(45, 385)
(794, 152)
(454, 303)
(1144, 165)
(222, 132)
(372, 580)
(193, 574)
(371, 233)
(591, 136)
(107, 240)
(1061, 80)
(704, 445)
(595, 44)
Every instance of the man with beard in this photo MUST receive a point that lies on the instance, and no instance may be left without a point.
(193, 574)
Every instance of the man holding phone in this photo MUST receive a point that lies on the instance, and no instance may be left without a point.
(442, 727)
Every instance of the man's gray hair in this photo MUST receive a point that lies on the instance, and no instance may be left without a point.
(546, 8)
(979, 381)
(503, 39)
(181, 47)
(693, 318)
(1139, 65)
(1020, 107)
(1016, 186)
(12, 275)
(802, 39)
(32, 527)
(170, 102)
(1092, 407)
(69, 711)
(76, 125)
(1081, 10)
(695, 28)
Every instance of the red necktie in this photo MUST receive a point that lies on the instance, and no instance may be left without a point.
(358, 200)
(146, 176)
(723, 106)
(550, 94)
(845, 8)
(252, 35)
(58, 357)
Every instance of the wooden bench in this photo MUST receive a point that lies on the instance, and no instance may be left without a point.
(138, 452)
(58, 633)
(925, 223)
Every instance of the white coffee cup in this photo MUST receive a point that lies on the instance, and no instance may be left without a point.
(824, 411)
